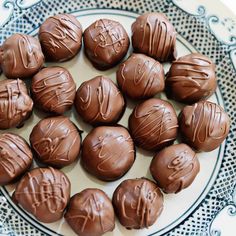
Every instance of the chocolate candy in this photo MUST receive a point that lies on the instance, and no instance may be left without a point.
(108, 152)
(15, 157)
(106, 43)
(191, 78)
(98, 101)
(175, 168)
(53, 89)
(21, 56)
(56, 141)
(140, 77)
(154, 36)
(43, 192)
(204, 125)
(15, 103)
(137, 203)
(90, 213)
(153, 124)
(60, 37)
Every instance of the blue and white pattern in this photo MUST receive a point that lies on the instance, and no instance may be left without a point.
(210, 34)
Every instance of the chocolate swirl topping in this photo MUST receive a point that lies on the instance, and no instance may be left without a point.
(53, 89)
(15, 103)
(15, 157)
(43, 192)
(154, 36)
(90, 213)
(204, 125)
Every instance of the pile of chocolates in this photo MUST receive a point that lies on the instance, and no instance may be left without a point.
(108, 151)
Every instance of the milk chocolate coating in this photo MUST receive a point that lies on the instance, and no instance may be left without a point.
(106, 43)
(53, 89)
(140, 77)
(15, 103)
(155, 36)
(21, 56)
(153, 124)
(175, 168)
(90, 213)
(56, 141)
(44, 193)
(204, 125)
(108, 152)
(99, 101)
(60, 37)
(191, 78)
(15, 157)
(137, 203)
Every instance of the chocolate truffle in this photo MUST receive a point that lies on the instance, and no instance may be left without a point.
(106, 43)
(191, 78)
(43, 192)
(153, 124)
(21, 56)
(53, 89)
(155, 36)
(175, 167)
(15, 103)
(140, 77)
(15, 157)
(108, 152)
(90, 213)
(56, 141)
(99, 101)
(60, 37)
(204, 125)
(137, 203)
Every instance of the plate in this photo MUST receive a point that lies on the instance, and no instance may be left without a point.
(193, 210)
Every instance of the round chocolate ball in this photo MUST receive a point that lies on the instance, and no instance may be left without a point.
(106, 43)
(153, 124)
(155, 36)
(108, 152)
(60, 37)
(90, 213)
(99, 101)
(175, 167)
(16, 105)
(191, 78)
(15, 157)
(137, 203)
(21, 56)
(44, 193)
(53, 90)
(204, 125)
(140, 77)
(56, 141)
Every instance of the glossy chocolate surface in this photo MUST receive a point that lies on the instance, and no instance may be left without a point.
(140, 77)
(191, 78)
(204, 125)
(108, 152)
(90, 213)
(155, 36)
(137, 203)
(44, 193)
(56, 141)
(21, 56)
(153, 124)
(60, 37)
(15, 157)
(53, 89)
(175, 167)
(15, 103)
(106, 43)
(99, 101)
